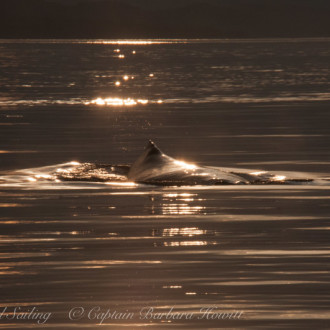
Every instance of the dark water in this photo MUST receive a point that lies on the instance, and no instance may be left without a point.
(261, 252)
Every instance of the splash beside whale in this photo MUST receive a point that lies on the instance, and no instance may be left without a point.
(153, 167)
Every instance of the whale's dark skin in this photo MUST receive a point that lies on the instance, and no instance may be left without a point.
(154, 167)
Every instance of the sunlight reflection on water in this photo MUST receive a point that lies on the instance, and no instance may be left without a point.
(115, 101)
(106, 101)
(263, 249)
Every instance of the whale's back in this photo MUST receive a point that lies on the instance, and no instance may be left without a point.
(154, 167)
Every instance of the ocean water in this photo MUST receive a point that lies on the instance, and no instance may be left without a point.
(118, 255)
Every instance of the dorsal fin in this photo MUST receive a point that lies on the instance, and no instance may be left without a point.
(152, 157)
(152, 149)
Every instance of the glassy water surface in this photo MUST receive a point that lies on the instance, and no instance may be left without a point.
(262, 251)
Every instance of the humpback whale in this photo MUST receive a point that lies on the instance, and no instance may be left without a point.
(156, 168)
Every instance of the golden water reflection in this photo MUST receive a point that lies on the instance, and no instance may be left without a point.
(180, 203)
(117, 101)
(184, 233)
(177, 204)
(172, 286)
(186, 243)
(181, 209)
(179, 231)
(135, 42)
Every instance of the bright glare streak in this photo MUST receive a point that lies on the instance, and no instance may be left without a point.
(187, 231)
(186, 243)
(125, 77)
(124, 184)
(117, 83)
(179, 195)
(130, 42)
(182, 209)
(134, 42)
(172, 286)
(185, 165)
(143, 101)
(121, 56)
(258, 173)
(116, 101)
(62, 170)
(43, 176)
(279, 177)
